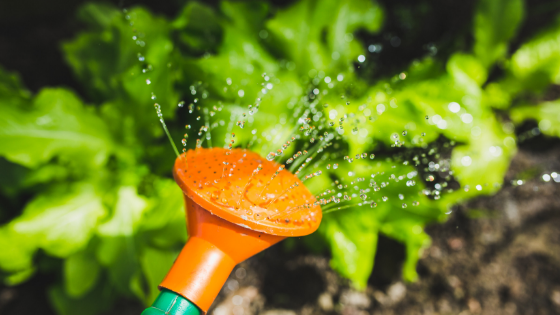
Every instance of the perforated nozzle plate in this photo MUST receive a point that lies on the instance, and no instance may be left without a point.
(280, 206)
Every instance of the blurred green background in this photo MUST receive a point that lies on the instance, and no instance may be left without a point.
(86, 194)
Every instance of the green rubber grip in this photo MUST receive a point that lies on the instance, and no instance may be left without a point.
(171, 303)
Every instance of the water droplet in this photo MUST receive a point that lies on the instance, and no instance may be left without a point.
(181, 104)
(404, 133)
(404, 205)
(335, 166)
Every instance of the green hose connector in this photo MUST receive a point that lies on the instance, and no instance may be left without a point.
(170, 303)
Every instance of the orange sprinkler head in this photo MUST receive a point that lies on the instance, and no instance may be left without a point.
(238, 204)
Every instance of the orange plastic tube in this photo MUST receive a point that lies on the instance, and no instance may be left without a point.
(214, 248)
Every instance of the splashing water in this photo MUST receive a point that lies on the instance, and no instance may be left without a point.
(309, 141)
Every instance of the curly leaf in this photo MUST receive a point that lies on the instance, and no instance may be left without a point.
(547, 115)
(57, 124)
(127, 214)
(495, 23)
(60, 221)
(81, 272)
(352, 235)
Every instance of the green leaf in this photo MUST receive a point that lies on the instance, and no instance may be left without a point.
(412, 234)
(120, 257)
(495, 23)
(60, 221)
(352, 235)
(319, 34)
(155, 265)
(198, 28)
(120, 54)
(467, 71)
(99, 300)
(537, 62)
(57, 124)
(127, 214)
(11, 89)
(16, 254)
(19, 276)
(81, 272)
(547, 115)
(481, 164)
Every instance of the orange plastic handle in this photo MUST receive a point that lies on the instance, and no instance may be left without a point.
(214, 248)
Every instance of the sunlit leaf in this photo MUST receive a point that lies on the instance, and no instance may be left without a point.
(57, 124)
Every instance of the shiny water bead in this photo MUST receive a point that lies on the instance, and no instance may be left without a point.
(404, 133)
(271, 156)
